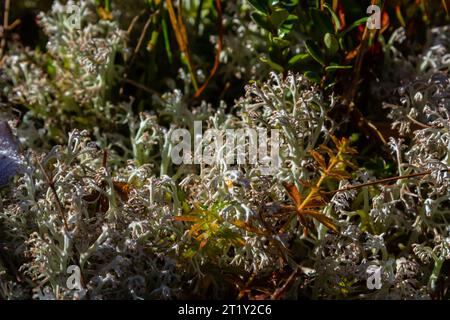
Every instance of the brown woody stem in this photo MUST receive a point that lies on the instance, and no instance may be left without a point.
(409, 176)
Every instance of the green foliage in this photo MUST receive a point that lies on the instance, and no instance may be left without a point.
(364, 156)
(332, 33)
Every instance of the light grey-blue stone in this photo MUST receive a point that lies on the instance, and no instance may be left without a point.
(10, 162)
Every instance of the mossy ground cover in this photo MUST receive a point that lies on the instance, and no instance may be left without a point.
(208, 149)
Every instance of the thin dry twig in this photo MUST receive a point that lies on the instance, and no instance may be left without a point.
(181, 36)
(382, 181)
(219, 50)
(5, 29)
(349, 97)
(279, 291)
(444, 4)
(139, 44)
(141, 86)
(134, 21)
(143, 33)
(59, 205)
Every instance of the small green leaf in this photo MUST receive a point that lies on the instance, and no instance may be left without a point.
(153, 41)
(313, 76)
(279, 16)
(167, 41)
(287, 25)
(321, 21)
(275, 66)
(331, 85)
(337, 22)
(289, 4)
(331, 43)
(336, 67)
(298, 58)
(314, 51)
(280, 42)
(353, 26)
(261, 5)
(51, 69)
(342, 43)
(261, 20)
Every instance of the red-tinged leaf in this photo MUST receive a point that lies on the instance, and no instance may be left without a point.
(318, 158)
(293, 193)
(122, 189)
(315, 202)
(352, 54)
(330, 152)
(244, 225)
(350, 150)
(385, 22)
(339, 174)
(238, 242)
(195, 229)
(336, 141)
(308, 212)
(263, 296)
(323, 219)
(203, 244)
(341, 14)
(203, 236)
(350, 164)
(444, 4)
(286, 209)
(104, 14)
(186, 219)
